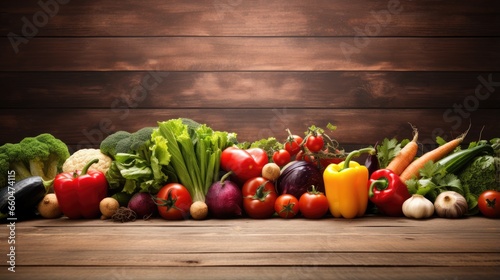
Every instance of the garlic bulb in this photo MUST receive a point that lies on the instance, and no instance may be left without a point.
(450, 204)
(418, 207)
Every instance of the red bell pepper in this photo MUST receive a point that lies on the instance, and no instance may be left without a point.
(244, 164)
(79, 193)
(387, 192)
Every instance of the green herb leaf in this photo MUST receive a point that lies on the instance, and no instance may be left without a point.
(440, 140)
(425, 186)
(432, 169)
(331, 127)
(387, 150)
(270, 145)
(434, 180)
(412, 185)
(451, 181)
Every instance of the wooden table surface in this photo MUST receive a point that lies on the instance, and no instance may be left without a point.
(365, 248)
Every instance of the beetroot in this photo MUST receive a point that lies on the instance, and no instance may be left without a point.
(143, 205)
(224, 200)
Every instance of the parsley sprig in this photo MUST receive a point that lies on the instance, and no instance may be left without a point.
(433, 180)
(388, 149)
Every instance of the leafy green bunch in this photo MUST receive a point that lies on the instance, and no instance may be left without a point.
(178, 150)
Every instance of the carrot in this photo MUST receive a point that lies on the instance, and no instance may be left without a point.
(434, 155)
(405, 155)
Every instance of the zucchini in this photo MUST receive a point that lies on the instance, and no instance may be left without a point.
(455, 162)
(26, 195)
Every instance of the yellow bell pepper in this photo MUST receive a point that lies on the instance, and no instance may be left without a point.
(346, 186)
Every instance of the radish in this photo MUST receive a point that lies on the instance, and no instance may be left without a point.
(143, 205)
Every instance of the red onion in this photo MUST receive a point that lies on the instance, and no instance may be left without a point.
(224, 200)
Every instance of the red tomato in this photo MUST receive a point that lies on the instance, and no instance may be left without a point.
(259, 196)
(287, 206)
(315, 143)
(173, 202)
(302, 156)
(292, 144)
(329, 160)
(489, 204)
(313, 204)
(281, 157)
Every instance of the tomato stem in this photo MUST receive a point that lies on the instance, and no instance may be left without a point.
(491, 203)
(261, 193)
(288, 208)
(169, 202)
(314, 190)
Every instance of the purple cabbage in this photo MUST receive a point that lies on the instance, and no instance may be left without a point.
(298, 177)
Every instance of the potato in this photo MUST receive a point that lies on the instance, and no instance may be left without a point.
(49, 207)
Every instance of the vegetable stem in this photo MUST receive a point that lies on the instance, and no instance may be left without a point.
(87, 166)
(356, 153)
(225, 176)
(381, 184)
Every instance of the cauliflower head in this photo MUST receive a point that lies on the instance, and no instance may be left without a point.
(81, 157)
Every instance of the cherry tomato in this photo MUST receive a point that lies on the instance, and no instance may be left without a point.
(292, 144)
(173, 202)
(259, 196)
(489, 204)
(327, 161)
(315, 143)
(302, 156)
(313, 204)
(281, 157)
(287, 206)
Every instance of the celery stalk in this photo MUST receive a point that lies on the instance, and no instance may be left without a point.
(195, 154)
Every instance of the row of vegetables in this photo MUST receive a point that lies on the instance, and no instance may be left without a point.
(182, 169)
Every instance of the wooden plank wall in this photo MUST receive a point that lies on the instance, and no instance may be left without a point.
(84, 69)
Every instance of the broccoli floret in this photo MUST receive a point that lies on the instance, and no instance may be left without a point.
(123, 146)
(4, 168)
(58, 153)
(141, 137)
(126, 142)
(191, 124)
(16, 160)
(42, 156)
(141, 140)
(136, 143)
(108, 145)
(479, 175)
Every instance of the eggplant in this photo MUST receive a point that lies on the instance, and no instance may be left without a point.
(372, 163)
(26, 194)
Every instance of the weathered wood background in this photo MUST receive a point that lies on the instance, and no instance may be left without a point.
(84, 69)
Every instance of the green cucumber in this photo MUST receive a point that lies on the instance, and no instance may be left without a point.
(456, 161)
